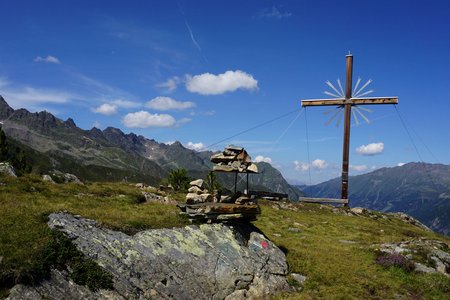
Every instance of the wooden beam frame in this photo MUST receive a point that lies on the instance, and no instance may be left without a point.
(353, 101)
(323, 200)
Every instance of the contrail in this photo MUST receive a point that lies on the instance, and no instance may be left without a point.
(191, 34)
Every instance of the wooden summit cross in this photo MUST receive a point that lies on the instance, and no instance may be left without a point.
(347, 103)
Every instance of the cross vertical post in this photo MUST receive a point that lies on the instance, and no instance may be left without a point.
(347, 119)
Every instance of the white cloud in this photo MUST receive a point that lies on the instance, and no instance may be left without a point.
(274, 13)
(358, 168)
(195, 146)
(167, 103)
(143, 119)
(169, 142)
(401, 164)
(182, 121)
(106, 109)
(48, 59)
(261, 158)
(317, 164)
(370, 149)
(32, 98)
(170, 84)
(230, 81)
(301, 166)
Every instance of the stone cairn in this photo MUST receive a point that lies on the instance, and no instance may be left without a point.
(203, 204)
(234, 159)
(197, 193)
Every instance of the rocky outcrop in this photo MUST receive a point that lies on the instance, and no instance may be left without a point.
(428, 256)
(61, 177)
(210, 261)
(7, 169)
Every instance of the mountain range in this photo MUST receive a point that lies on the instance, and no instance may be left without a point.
(112, 155)
(421, 190)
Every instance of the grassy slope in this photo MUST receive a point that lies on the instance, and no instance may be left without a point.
(335, 269)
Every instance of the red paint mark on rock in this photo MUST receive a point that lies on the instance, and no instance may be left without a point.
(264, 244)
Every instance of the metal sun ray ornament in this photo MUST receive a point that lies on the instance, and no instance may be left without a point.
(358, 92)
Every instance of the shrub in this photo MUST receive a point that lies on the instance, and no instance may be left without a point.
(395, 260)
(211, 182)
(179, 180)
(87, 272)
(61, 252)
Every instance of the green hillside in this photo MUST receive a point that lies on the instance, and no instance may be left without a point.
(334, 248)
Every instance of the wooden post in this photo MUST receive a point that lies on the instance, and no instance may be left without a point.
(347, 119)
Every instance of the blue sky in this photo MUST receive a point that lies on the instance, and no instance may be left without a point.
(201, 71)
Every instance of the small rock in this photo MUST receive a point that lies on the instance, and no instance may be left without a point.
(150, 197)
(140, 185)
(299, 224)
(423, 269)
(277, 234)
(192, 198)
(47, 178)
(226, 199)
(293, 229)
(207, 197)
(400, 250)
(300, 279)
(243, 200)
(166, 188)
(359, 210)
(252, 168)
(347, 242)
(198, 183)
(440, 266)
(195, 190)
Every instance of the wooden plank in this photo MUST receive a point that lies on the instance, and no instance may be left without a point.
(222, 208)
(267, 194)
(378, 100)
(357, 101)
(323, 102)
(323, 200)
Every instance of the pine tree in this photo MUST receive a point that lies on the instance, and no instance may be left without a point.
(3, 146)
(20, 162)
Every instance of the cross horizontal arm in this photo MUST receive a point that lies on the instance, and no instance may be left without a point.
(354, 101)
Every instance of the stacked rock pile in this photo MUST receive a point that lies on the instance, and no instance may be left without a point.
(234, 159)
(197, 193)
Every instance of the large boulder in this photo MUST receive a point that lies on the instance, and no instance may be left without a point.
(210, 261)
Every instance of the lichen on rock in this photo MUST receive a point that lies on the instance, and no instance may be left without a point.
(209, 261)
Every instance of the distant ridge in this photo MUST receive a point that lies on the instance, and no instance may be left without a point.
(419, 189)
